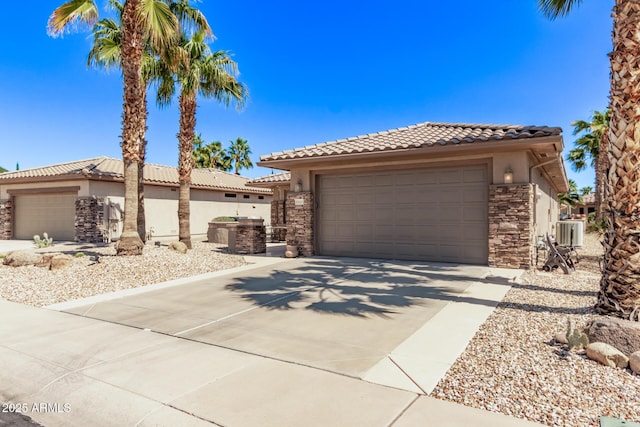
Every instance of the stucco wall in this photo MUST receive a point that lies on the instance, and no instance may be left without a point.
(161, 207)
(546, 209)
(83, 184)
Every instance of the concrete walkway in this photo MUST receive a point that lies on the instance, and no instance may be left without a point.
(187, 370)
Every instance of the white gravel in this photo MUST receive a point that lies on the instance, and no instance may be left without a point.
(513, 365)
(101, 271)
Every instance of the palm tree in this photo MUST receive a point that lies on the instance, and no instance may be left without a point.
(239, 152)
(199, 72)
(619, 291)
(210, 155)
(586, 190)
(141, 20)
(588, 148)
(570, 198)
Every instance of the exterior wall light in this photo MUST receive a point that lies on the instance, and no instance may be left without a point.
(508, 176)
(298, 186)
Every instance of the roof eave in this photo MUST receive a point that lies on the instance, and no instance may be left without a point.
(478, 146)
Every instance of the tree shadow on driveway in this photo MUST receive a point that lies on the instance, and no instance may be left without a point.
(350, 287)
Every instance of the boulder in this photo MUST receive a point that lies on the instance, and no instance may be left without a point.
(178, 247)
(607, 355)
(22, 257)
(622, 334)
(60, 261)
(634, 362)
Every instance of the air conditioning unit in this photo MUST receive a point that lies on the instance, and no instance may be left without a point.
(570, 233)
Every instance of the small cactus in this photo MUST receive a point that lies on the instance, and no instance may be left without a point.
(43, 242)
(575, 337)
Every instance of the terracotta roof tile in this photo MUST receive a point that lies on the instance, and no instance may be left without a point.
(278, 178)
(416, 136)
(110, 167)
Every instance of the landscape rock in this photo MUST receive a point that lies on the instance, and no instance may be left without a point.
(178, 247)
(561, 337)
(46, 259)
(634, 362)
(22, 257)
(621, 334)
(60, 261)
(607, 355)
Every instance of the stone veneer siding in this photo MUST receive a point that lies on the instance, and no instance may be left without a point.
(89, 225)
(278, 220)
(300, 222)
(250, 237)
(511, 226)
(6, 216)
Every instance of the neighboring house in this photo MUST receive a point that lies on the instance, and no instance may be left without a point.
(279, 184)
(84, 200)
(464, 193)
(587, 206)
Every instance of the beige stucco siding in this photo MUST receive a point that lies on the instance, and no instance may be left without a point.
(161, 207)
(82, 192)
(546, 207)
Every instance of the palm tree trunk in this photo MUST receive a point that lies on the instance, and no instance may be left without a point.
(132, 125)
(620, 285)
(142, 221)
(601, 176)
(185, 164)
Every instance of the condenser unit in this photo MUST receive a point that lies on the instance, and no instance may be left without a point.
(570, 233)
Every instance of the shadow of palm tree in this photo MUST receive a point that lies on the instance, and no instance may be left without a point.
(359, 288)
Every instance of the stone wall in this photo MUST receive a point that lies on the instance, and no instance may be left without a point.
(511, 242)
(249, 236)
(6, 217)
(278, 222)
(300, 221)
(89, 225)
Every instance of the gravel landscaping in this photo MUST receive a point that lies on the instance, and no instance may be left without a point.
(514, 366)
(100, 271)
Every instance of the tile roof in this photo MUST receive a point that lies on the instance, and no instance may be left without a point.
(589, 198)
(278, 178)
(114, 168)
(416, 136)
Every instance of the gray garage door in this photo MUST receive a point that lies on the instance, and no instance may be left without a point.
(51, 213)
(435, 214)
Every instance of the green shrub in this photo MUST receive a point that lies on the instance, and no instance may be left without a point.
(596, 226)
(225, 219)
(79, 254)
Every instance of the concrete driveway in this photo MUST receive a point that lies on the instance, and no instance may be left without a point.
(400, 324)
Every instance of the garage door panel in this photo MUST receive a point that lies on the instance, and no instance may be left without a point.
(53, 214)
(477, 175)
(437, 214)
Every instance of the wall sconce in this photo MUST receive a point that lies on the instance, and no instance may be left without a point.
(298, 187)
(508, 176)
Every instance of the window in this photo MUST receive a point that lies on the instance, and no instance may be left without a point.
(230, 195)
(245, 196)
(261, 197)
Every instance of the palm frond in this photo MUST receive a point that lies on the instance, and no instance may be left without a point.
(161, 25)
(553, 9)
(71, 15)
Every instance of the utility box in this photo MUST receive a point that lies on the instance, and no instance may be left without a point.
(570, 233)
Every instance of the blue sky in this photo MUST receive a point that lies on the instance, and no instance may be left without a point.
(316, 72)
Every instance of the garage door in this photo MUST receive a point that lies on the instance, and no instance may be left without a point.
(51, 213)
(436, 214)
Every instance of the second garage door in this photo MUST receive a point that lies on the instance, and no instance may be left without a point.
(51, 213)
(435, 214)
